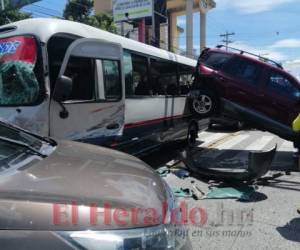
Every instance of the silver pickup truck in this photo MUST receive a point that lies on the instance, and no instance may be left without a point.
(68, 195)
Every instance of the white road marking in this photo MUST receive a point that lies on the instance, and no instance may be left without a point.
(286, 146)
(234, 141)
(216, 146)
(260, 143)
(209, 138)
(228, 145)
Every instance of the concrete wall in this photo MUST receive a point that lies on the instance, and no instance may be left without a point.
(103, 6)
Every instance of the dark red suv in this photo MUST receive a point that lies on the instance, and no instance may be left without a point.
(248, 88)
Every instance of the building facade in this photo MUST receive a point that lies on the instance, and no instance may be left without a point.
(169, 31)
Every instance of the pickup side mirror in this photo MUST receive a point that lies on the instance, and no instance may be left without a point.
(63, 89)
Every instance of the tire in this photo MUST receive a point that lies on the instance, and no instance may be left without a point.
(240, 125)
(204, 105)
(192, 135)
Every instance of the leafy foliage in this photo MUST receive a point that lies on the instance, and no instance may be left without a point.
(12, 15)
(82, 11)
(78, 10)
(102, 21)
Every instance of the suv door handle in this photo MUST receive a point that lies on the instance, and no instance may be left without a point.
(113, 126)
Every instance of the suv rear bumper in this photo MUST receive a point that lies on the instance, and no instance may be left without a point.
(258, 120)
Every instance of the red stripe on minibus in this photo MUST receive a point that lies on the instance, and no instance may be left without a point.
(150, 122)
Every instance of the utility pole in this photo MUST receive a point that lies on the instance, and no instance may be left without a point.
(189, 28)
(153, 23)
(226, 38)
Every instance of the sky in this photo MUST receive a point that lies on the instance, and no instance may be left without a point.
(46, 8)
(266, 27)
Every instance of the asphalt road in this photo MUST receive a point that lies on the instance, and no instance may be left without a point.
(268, 220)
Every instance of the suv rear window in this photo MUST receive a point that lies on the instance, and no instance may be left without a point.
(215, 60)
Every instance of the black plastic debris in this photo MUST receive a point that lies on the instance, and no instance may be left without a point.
(259, 164)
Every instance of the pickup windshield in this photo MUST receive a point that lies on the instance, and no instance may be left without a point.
(15, 143)
(19, 84)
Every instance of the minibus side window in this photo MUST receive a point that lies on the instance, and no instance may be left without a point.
(185, 78)
(57, 47)
(141, 85)
(112, 80)
(164, 77)
(128, 72)
(82, 72)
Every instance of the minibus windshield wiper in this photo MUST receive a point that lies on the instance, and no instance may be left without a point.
(23, 144)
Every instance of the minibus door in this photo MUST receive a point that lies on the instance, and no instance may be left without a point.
(88, 101)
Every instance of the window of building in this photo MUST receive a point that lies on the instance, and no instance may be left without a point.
(282, 85)
(164, 77)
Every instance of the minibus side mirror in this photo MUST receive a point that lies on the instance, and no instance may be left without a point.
(63, 89)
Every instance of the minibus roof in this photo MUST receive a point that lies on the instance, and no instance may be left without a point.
(45, 28)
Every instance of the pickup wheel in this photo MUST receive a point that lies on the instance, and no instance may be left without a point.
(204, 105)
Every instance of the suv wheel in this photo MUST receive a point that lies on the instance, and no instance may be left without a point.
(204, 105)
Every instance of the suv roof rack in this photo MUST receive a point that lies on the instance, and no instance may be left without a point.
(249, 53)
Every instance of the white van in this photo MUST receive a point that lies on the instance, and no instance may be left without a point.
(71, 81)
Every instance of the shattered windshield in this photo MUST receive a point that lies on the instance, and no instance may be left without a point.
(18, 82)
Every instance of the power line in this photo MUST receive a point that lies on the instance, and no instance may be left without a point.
(226, 38)
(43, 13)
(69, 2)
(47, 9)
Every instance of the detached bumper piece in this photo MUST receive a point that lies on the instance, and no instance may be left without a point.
(259, 164)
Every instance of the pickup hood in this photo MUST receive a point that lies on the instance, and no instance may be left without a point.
(83, 175)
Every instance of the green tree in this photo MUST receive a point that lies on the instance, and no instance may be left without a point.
(82, 11)
(78, 10)
(102, 21)
(11, 14)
